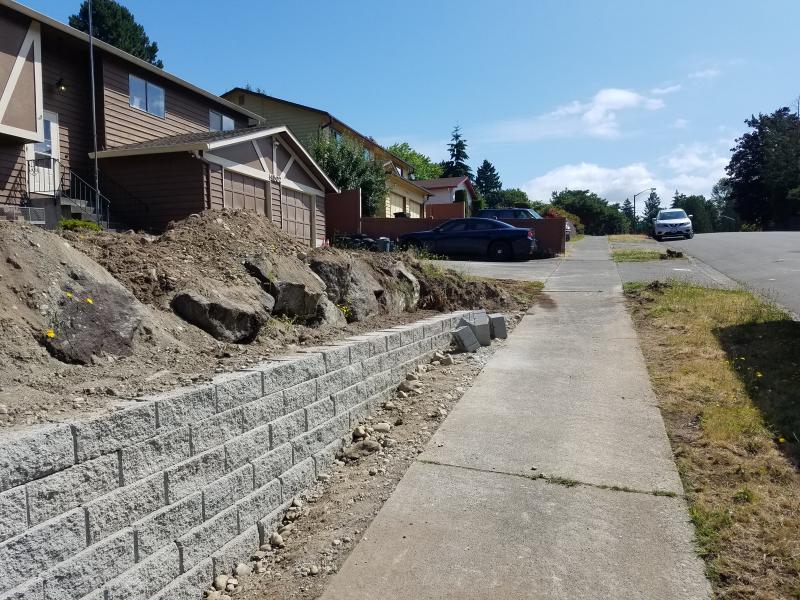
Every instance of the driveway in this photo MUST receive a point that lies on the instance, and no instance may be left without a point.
(768, 262)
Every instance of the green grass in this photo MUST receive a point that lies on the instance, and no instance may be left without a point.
(78, 225)
(635, 254)
(628, 237)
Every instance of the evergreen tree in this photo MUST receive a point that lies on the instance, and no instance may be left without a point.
(457, 165)
(627, 210)
(487, 180)
(651, 207)
(115, 25)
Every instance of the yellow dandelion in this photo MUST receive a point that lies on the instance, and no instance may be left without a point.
(781, 440)
(69, 295)
(50, 333)
(759, 374)
(89, 301)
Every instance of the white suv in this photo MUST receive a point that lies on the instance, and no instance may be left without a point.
(672, 222)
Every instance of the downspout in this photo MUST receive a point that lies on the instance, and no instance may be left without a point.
(94, 107)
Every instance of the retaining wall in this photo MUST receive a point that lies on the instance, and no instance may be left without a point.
(153, 500)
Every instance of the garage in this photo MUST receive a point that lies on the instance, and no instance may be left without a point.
(245, 192)
(297, 209)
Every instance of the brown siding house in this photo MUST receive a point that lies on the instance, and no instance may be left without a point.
(166, 148)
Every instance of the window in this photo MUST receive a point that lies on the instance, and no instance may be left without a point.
(337, 136)
(481, 225)
(219, 122)
(146, 96)
(453, 226)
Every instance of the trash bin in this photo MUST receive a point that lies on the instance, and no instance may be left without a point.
(383, 244)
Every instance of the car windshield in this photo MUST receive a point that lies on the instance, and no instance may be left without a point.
(666, 215)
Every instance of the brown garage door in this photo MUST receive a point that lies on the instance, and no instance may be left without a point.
(245, 192)
(296, 214)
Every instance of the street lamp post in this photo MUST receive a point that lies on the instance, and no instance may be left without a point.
(652, 189)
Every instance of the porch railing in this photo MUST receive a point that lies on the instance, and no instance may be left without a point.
(48, 176)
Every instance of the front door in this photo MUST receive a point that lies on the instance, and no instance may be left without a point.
(43, 157)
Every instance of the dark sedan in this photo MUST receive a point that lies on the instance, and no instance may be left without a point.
(476, 237)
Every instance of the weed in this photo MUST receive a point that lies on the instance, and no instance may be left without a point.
(562, 481)
(78, 225)
(665, 493)
(635, 254)
(628, 237)
(744, 496)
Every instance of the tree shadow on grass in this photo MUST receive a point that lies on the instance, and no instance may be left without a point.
(766, 357)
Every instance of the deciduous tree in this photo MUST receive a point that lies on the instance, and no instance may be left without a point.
(424, 167)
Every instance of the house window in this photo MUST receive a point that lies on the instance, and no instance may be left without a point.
(337, 136)
(146, 96)
(219, 122)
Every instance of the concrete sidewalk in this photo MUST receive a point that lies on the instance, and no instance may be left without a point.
(568, 397)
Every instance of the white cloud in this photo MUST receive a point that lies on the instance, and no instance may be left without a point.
(614, 184)
(669, 89)
(680, 123)
(705, 74)
(597, 117)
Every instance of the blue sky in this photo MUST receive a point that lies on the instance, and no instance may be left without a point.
(615, 96)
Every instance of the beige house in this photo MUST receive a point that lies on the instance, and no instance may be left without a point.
(405, 195)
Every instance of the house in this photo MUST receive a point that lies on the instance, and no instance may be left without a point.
(165, 148)
(405, 196)
(449, 189)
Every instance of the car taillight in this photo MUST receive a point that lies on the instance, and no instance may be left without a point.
(530, 234)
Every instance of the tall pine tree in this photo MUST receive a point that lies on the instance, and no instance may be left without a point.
(487, 180)
(627, 210)
(115, 25)
(457, 165)
(651, 207)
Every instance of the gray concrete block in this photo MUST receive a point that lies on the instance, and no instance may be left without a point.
(111, 432)
(359, 413)
(377, 343)
(154, 454)
(271, 522)
(315, 440)
(24, 556)
(90, 569)
(159, 529)
(319, 411)
(65, 490)
(393, 339)
(32, 454)
(289, 371)
(497, 325)
(481, 329)
(262, 411)
(242, 449)
(268, 466)
(191, 475)
(200, 542)
(360, 348)
(432, 327)
(300, 396)
(259, 503)
(239, 549)
(376, 364)
(235, 389)
(442, 341)
(378, 382)
(190, 585)
(286, 428)
(184, 406)
(224, 492)
(330, 383)
(147, 577)
(298, 478)
(323, 460)
(13, 512)
(115, 511)
(335, 357)
(411, 333)
(349, 397)
(33, 589)
(216, 430)
(465, 339)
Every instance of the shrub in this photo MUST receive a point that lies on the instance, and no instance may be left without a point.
(78, 225)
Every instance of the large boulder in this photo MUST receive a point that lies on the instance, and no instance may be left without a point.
(297, 290)
(96, 320)
(350, 283)
(232, 314)
(404, 294)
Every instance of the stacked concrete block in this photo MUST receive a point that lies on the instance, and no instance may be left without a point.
(497, 324)
(465, 339)
(152, 499)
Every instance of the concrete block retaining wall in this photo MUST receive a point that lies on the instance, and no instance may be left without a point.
(153, 500)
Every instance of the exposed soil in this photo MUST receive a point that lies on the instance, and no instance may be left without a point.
(337, 512)
(40, 271)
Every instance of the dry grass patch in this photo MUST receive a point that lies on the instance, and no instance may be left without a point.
(726, 368)
(635, 254)
(628, 237)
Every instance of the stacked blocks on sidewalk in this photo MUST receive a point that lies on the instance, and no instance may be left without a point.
(152, 500)
(497, 324)
(465, 339)
(479, 324)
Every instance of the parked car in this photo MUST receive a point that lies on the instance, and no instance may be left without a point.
(476, 237)
(672, 222)
(508, 213)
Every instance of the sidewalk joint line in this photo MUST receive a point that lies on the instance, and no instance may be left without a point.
(557, 480)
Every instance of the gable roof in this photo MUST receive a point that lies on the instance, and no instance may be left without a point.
(447, 182)
(211, 140)
(143, 64)
(324, 113)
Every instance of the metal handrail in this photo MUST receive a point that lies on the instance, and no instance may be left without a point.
(86, 196)
(48, 176)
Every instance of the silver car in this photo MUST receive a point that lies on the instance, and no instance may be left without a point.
(672, 222)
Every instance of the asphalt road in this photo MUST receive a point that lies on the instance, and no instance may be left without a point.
(767, 262)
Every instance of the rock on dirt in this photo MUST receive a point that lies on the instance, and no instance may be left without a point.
(234, 314)
(349, 283)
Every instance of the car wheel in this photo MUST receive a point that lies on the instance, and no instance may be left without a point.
(689, 236)
(500, 251)
(659, 238)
